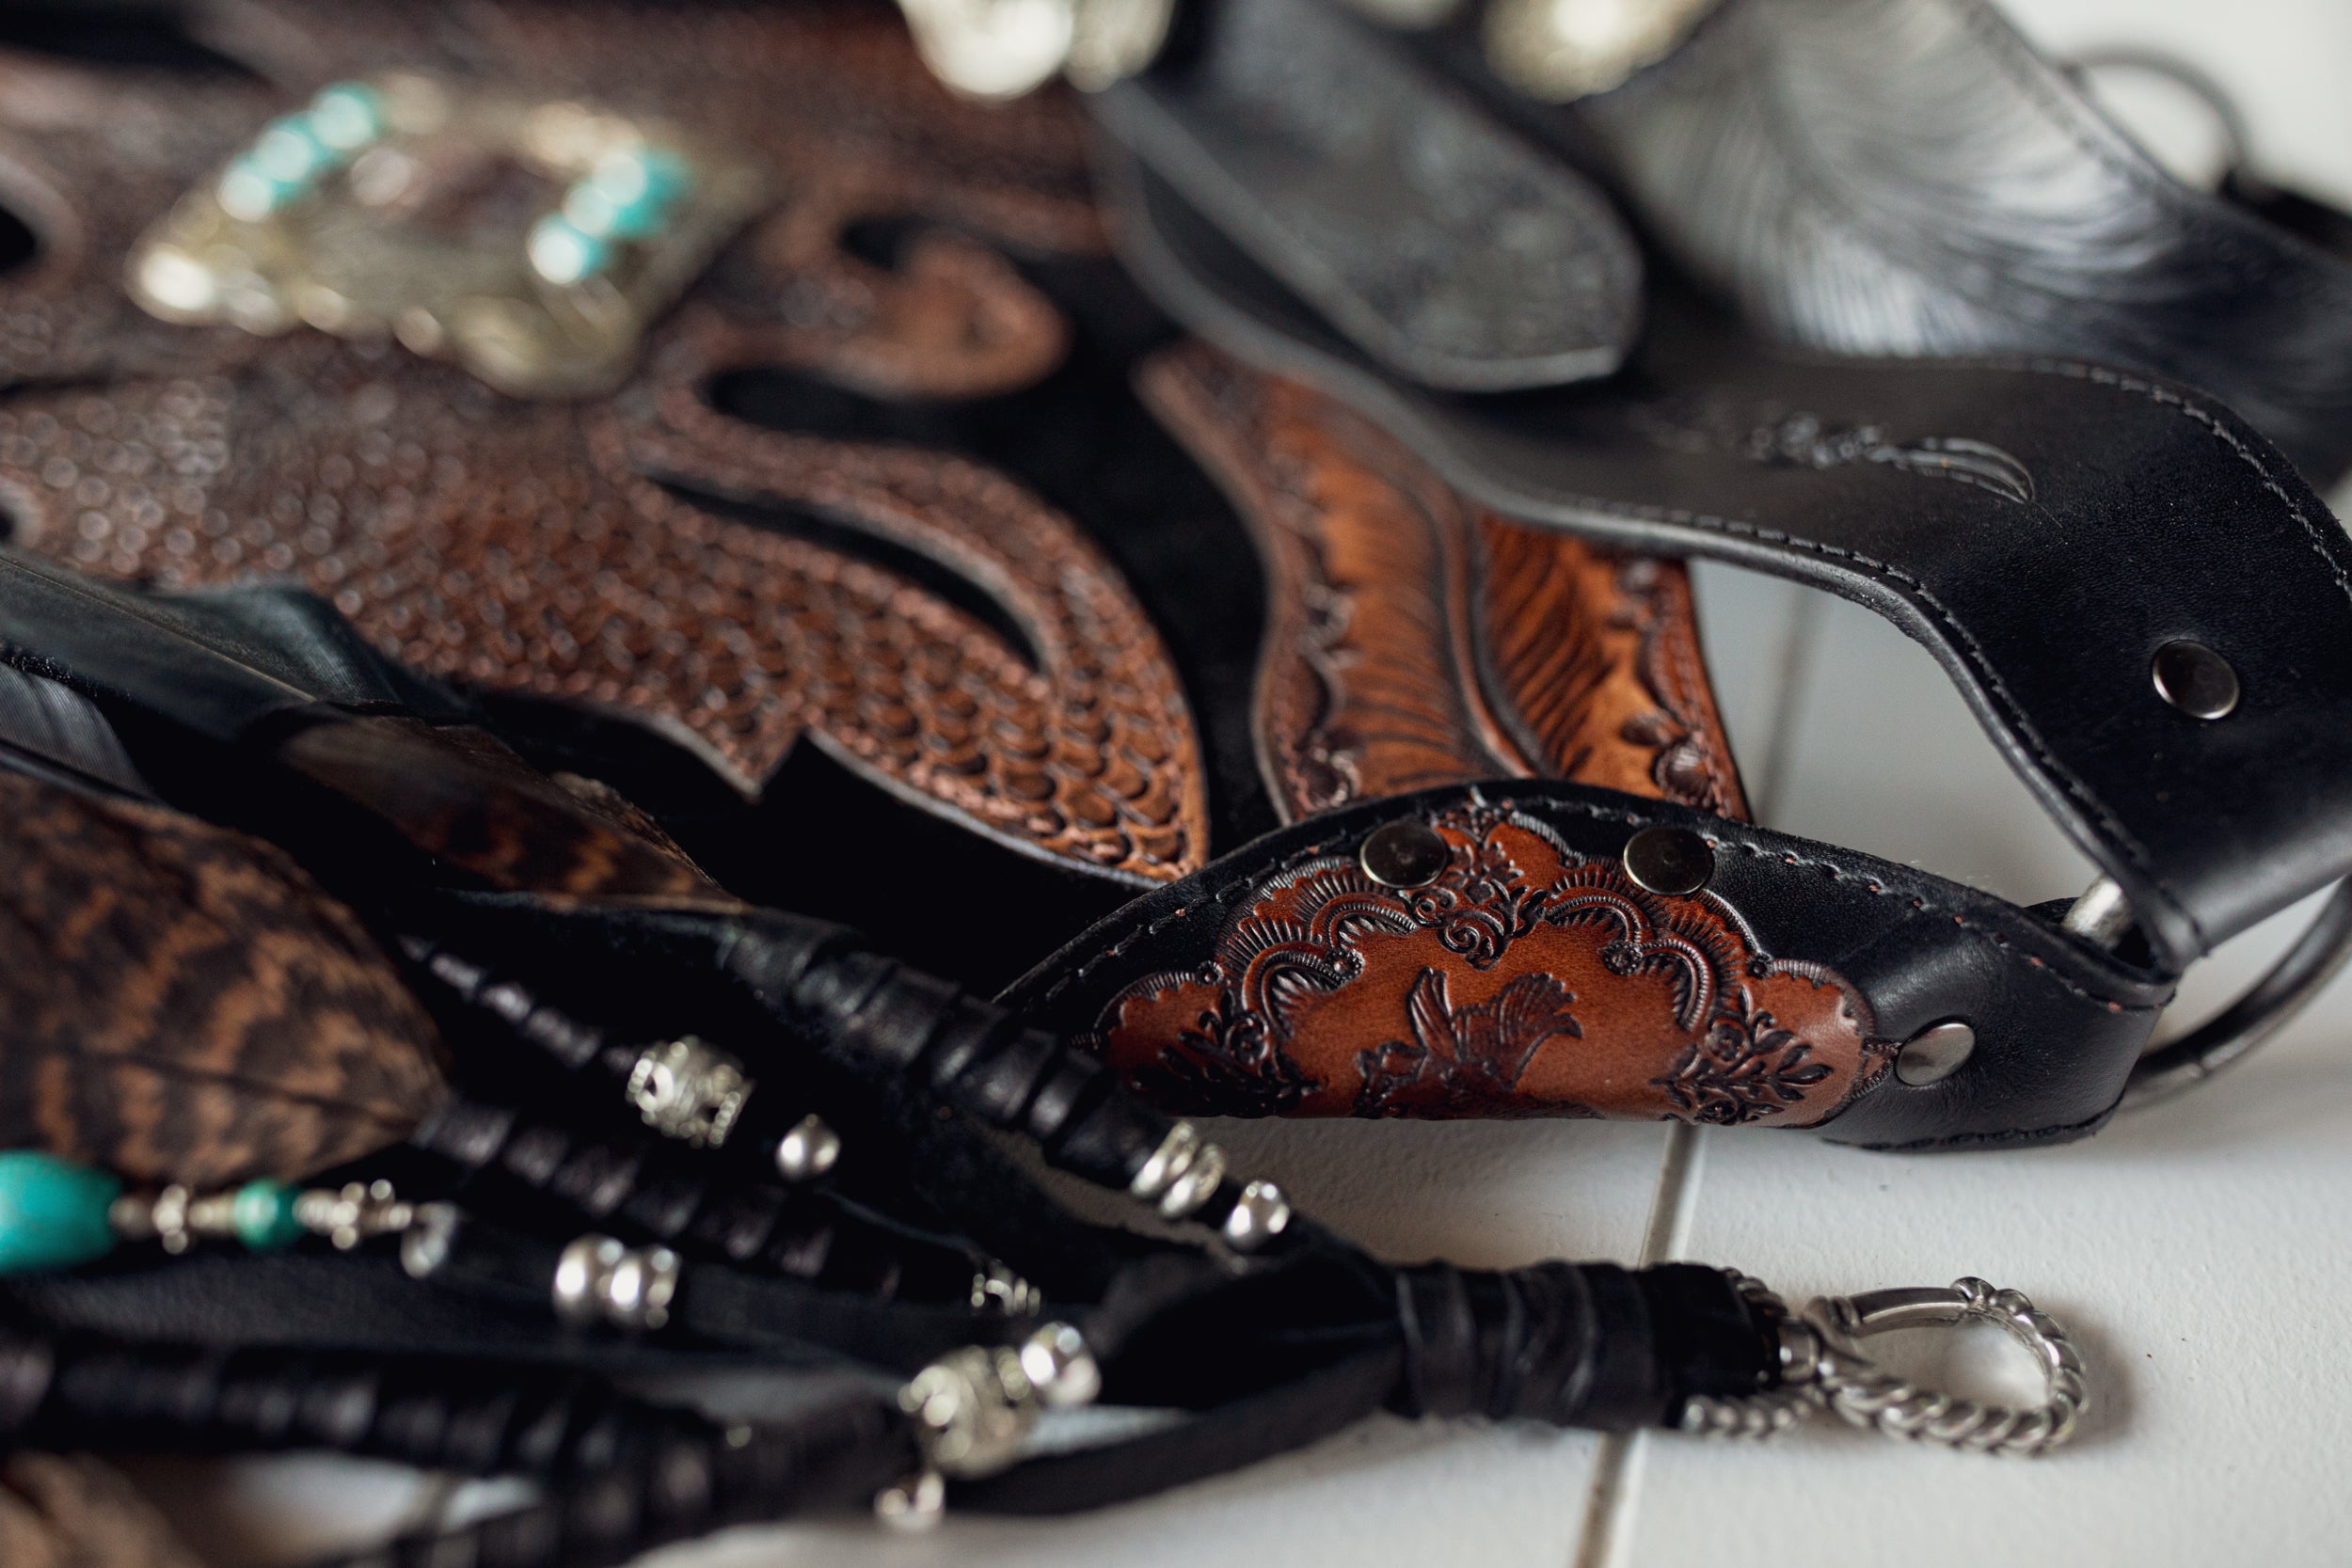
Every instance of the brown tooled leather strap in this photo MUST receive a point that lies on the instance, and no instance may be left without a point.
(1415, 639)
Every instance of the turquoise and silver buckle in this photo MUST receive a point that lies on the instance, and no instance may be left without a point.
(532, 242)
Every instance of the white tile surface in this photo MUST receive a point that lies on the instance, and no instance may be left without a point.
(2202, 1252)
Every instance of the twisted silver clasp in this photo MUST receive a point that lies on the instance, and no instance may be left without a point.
(1822, 1364)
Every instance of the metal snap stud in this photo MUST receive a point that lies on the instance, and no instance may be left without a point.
(1673, 861)
(2195, 679)
(1936, 1052)
(1405, 853)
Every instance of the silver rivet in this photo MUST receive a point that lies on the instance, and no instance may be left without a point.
(1936, 1052)
(2195, 679)
(1257, 1217)
(808, 1151)
(1671, 861)
(1405, 853)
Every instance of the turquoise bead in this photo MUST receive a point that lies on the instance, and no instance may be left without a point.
(561, 254)
(346, 116)
(641, 174)
(592, 210)
(264, 1215)
(250, 192)
(290, 151)
(52, 1214)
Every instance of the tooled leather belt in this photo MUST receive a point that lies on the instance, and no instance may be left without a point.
(1456, 830)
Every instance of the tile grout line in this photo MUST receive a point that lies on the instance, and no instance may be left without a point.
(1616, 1470)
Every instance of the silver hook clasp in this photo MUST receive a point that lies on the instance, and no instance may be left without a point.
(1822, 1364)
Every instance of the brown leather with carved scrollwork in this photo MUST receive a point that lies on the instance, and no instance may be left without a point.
(1525, 980)
(574, 552)
(1414, 640)
(930, 622)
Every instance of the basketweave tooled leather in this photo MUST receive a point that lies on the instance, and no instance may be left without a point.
(621, 553)
(544, 548)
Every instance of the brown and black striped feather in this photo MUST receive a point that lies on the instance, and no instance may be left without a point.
(182, 1002)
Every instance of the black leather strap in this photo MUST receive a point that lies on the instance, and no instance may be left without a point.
(1439, 243)
(1573, 1344)
(2043, 526)
(1885, 177)
(2301, 972)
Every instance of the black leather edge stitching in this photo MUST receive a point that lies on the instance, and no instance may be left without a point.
(1970, 649)
(1965, 642)
(1755, 851)
(2065, 1132)
(1244, 881)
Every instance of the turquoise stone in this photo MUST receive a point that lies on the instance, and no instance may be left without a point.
(290, 151)
(250, 192)
(347, 116)
(264, 1215)
(52, 1214)
(640, 175)
(561, 254)
(592, 210)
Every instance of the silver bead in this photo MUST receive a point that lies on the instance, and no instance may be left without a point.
(973, 1408)
(1194, 1185)
(169, 1218)
(915, 1505)
(354, 1214)
(598, 1278)
(808, 1151)
(1260, 1216)
(577, 1271)
(1166, 1162)
(1060, 1368)
(999, 1288)
(424, 1247)
(689, 1090)
(1182, 1174)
